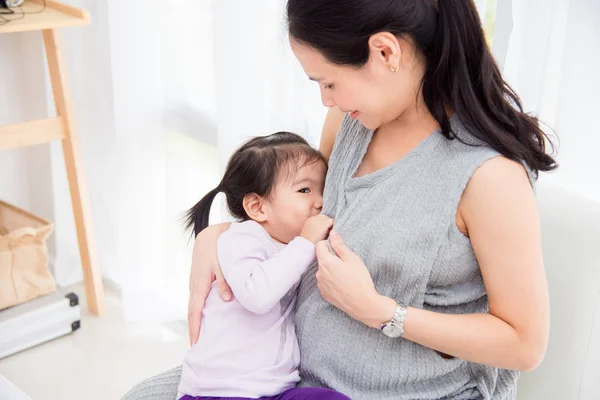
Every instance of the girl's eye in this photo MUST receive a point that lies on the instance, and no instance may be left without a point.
(330, 86)
(305, 190)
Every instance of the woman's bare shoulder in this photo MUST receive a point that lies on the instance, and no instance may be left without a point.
(331, 127)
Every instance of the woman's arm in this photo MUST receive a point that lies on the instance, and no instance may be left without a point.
(501, 215)
(500, 212)
(331, 126)
(205, 270)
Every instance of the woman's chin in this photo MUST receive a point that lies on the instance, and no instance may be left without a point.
(369, 124)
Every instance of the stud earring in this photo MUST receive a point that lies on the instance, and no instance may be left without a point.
(394, 69)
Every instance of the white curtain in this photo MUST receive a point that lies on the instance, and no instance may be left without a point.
(117, 79)
(482, 8)
(162, 103)
(162, 99)
(260, 86)
(551, 61)
(231, 75)
(535, 53)
(545, 48)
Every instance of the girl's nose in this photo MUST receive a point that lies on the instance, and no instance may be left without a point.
(319, 204)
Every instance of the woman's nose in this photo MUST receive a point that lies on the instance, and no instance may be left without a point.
(327, 100)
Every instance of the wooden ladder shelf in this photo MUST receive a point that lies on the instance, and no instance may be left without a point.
(62, 127)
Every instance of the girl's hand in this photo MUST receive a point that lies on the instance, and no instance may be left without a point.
(205, 270)
(345, 282)
(317, 228)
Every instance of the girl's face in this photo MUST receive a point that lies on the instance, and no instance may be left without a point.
(296, 198)
(374, 94)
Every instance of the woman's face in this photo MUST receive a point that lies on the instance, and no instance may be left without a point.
(373, 94)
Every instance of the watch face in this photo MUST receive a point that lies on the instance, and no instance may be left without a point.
(392, 330)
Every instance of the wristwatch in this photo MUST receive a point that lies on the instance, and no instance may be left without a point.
(395, 327)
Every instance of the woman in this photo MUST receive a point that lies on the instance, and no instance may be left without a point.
(436, 287)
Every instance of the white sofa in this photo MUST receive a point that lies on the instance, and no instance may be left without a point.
(571, 244)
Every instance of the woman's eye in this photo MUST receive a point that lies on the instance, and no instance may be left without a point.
(330, 86)
(305, 190)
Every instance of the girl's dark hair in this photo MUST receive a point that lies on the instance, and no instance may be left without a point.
(460, 69)
(254, 168)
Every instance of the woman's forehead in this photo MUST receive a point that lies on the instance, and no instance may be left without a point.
(313, 62)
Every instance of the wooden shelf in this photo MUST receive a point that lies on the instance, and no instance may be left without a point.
(32, 133)
(48, 17)
(55, 15)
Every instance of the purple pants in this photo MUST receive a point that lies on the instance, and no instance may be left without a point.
(290, 394)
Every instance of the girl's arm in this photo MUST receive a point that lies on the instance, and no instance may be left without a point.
(258, 279)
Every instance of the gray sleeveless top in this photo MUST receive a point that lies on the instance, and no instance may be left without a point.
(401, 220)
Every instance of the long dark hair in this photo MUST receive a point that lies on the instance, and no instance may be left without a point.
(460, 69)
(254, 168)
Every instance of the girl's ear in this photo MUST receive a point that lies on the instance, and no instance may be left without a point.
(255, 207)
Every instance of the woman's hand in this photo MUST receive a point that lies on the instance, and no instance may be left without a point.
(345, 282)
(205, 270)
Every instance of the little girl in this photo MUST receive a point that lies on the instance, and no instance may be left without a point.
(248, 347)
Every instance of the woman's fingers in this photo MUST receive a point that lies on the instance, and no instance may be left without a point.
(199, 290)
(205, 270)
(324, 255)
(222, 286)
(338, 245)
(198, 296)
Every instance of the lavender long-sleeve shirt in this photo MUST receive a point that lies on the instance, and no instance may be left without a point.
(248, 346)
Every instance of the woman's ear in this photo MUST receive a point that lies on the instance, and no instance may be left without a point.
(255, 207)
(386, 48)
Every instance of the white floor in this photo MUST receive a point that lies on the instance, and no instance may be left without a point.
(100, 361)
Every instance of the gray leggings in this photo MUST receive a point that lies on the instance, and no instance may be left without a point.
(160, 387)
